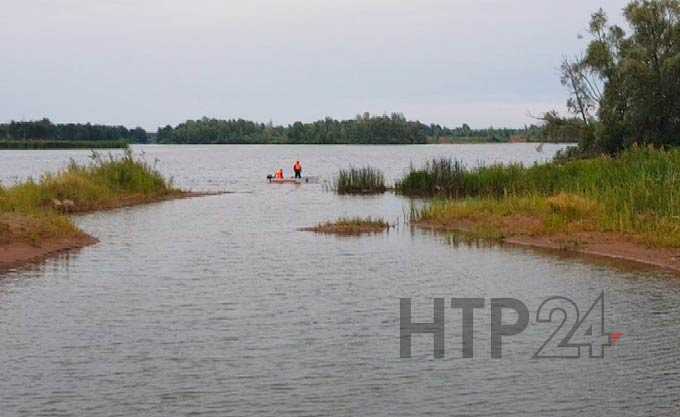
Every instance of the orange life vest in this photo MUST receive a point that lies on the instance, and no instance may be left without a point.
(297, 167)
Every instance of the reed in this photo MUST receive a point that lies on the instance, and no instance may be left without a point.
(365, 180)
(451, 178)
(637, 193)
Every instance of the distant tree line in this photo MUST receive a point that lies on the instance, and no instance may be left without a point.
(364, 129)
(464, 133)
(45, 130)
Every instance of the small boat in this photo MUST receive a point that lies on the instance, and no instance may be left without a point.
(303, 180)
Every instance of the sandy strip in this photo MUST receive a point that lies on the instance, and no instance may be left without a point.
(136, 200)
(17, 254)
(597, 244)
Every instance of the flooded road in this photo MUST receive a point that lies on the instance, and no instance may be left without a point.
(219, 306)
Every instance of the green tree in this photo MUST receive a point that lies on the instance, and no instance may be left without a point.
(639, 74)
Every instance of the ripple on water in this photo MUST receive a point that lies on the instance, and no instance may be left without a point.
(219, 306)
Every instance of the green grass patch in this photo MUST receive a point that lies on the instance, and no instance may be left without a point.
(351, 226)
(365, 180)
(35, 210)
(637, 193)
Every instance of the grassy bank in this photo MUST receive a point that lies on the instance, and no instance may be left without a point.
(366, 180)
(636, 195)
(34, 212)
(63, 144)
(351, 226)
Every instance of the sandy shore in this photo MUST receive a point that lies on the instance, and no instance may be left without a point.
(15, 254)
(20, 253)
(605, 245)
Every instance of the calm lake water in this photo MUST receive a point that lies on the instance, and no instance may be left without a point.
(219, 306)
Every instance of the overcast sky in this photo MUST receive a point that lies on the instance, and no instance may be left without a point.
(157, 62)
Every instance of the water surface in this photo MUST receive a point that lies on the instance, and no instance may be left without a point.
(219, 306)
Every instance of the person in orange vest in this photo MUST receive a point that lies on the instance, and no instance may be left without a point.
(279, 174)
(297, 168)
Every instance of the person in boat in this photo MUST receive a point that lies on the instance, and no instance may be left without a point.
(279, 174)
(297, 168)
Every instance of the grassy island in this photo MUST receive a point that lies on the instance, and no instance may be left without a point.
(630, 203)
(34, 218)
(351, 226)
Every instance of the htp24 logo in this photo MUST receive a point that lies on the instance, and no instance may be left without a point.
(572, 333)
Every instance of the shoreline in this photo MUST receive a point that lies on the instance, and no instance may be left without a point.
(136, 200)
(37, 145)
(352, 144)
(17, 254)
(611, 246)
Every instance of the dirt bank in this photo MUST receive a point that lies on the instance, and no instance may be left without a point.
(138, 200)
(15, 253)
(608, 245)
(20, 253)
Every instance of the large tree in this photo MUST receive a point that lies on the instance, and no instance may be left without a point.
(640, 77)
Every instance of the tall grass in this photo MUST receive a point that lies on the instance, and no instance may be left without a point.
(99, 184)
(635, 193)
(32, 209)
(366, 180)
(451, 178)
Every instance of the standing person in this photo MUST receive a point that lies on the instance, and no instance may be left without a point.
(297, 168)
